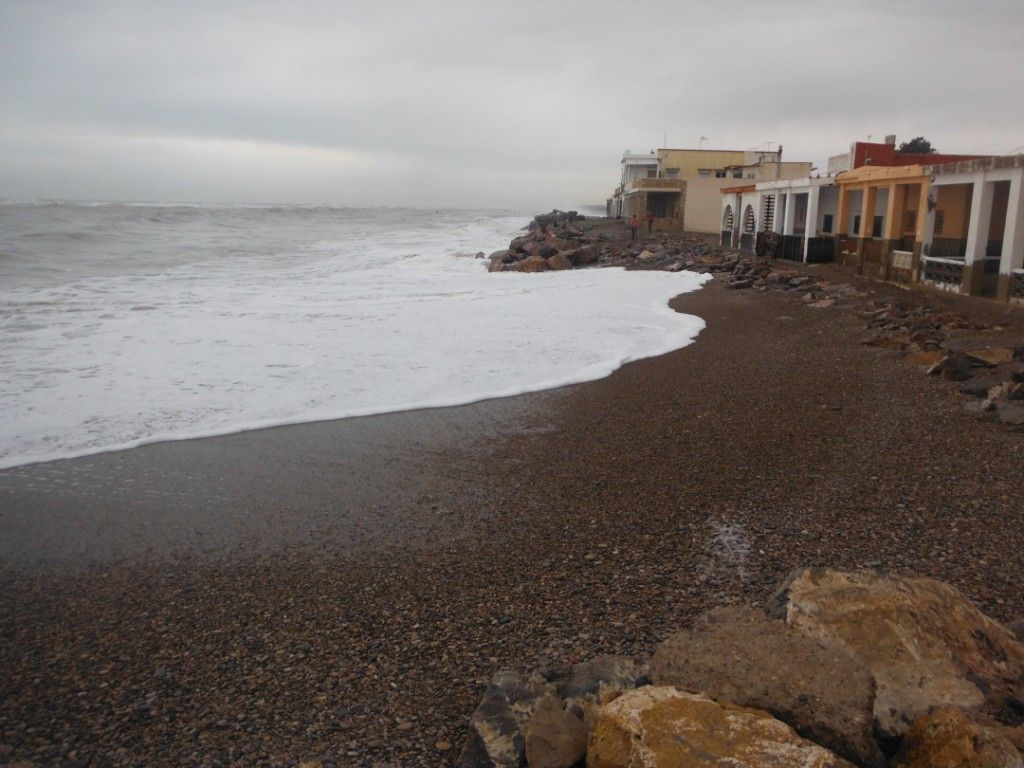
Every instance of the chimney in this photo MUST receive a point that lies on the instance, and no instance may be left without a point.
(778, 164)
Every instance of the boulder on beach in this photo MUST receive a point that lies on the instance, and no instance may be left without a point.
(496, 729)
(739, 655)
(925, 644)
(500, 727)
(661, 727)
(559, 261)
(533, 264)
(554, 738)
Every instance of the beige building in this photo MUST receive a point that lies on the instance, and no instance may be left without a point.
(685, 190)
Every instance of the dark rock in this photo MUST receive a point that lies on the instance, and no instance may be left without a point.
(496, 738)
(1017, 627)
(554, 738)
(533, 264)
(980, 385)
(1011, 413)
(586, 255)
(559, 261)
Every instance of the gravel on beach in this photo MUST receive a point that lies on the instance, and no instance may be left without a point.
(628, 506)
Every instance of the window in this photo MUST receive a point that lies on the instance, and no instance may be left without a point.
(719, 174)
(737, 174)
(940, 219)
(826, 223)
(856, 224)
(652, 173)
(704, 172)
(671, 173)
(876, 226)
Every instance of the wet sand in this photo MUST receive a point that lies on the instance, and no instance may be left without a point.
(258, 615)
(350, 485)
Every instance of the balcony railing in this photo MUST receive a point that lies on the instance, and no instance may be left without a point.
(656, 185)
(942, 273)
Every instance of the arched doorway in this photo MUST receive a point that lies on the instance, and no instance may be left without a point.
(747, 238)
(727, 220)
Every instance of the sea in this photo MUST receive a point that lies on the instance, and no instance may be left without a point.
(125, 324)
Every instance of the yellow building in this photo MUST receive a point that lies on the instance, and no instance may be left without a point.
(685, 191)
(694, 163)
(881, 222)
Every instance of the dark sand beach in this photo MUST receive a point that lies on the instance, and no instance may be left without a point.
(341, 591)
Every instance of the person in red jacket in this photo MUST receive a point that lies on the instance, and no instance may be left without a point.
(650, 221)
(633, 224)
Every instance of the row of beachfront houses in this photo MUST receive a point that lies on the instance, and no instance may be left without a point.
(957, 226)
(955, 222)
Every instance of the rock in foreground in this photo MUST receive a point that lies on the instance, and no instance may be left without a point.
(661, 727)
(738, 655)
(924, 642)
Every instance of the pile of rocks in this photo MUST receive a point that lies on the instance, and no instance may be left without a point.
(994, 375)
(565, 241)
(843, 668)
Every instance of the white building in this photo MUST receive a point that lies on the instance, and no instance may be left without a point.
(977, 217)
(803, 211)
(634, 166)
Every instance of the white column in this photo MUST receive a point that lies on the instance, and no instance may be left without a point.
(981, 219)
(780, 212)
(790, 222)
(1012, 256)
(811, 220)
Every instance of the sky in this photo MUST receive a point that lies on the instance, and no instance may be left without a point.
(476, 103)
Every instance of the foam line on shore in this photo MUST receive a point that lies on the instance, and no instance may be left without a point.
(679, 331)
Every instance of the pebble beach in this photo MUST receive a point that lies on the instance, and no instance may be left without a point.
(364, 578)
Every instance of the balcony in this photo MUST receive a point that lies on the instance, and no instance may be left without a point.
(654, 185)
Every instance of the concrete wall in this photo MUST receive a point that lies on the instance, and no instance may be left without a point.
(767, 171)
(703, 204)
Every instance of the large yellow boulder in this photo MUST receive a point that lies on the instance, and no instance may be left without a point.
(662, 727)
(925, 644)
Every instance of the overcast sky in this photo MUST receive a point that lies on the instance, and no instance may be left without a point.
(475, 103)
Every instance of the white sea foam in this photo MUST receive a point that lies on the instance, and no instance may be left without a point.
(327, 321)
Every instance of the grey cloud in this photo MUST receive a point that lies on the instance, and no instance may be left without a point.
(474, 102)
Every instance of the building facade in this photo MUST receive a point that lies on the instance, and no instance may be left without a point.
(685, 190)
(974, 233)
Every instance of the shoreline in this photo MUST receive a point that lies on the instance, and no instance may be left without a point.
(584, 375)
(547, 528)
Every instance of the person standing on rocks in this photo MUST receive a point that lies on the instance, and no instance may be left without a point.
(634, 222)
(650, 221)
